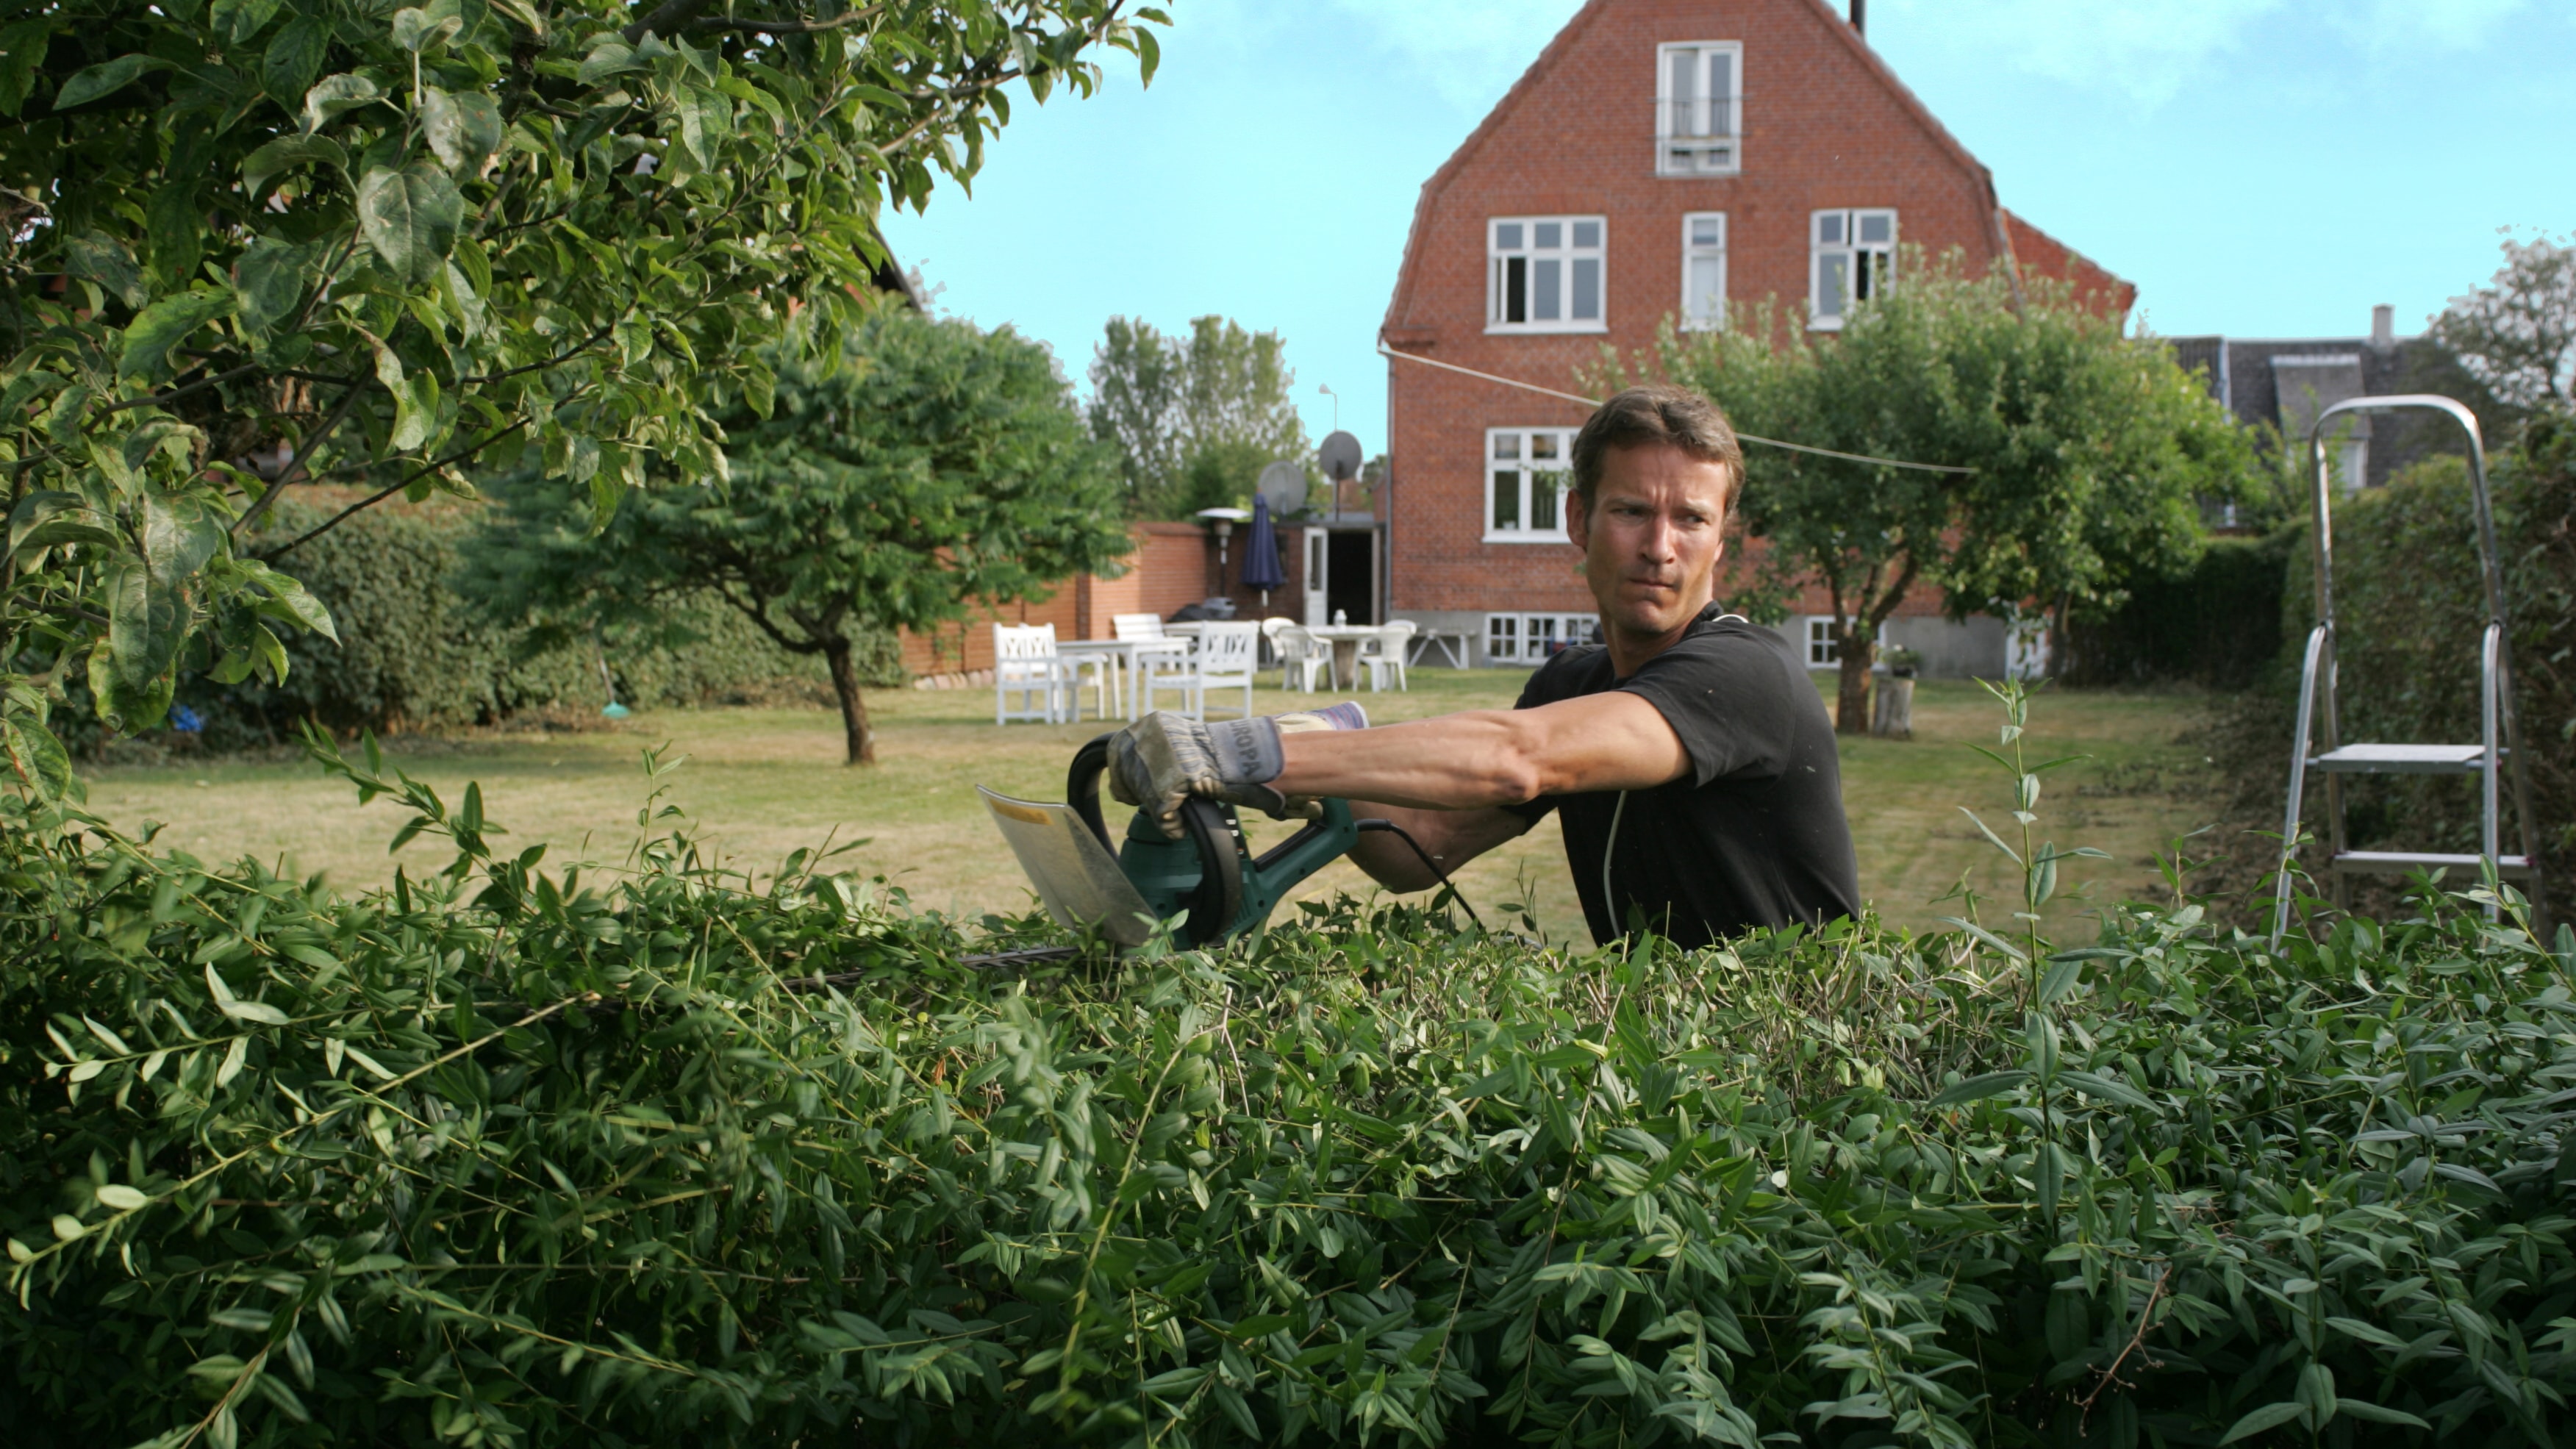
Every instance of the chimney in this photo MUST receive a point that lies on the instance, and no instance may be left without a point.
(1860, 17)
(2383, 321)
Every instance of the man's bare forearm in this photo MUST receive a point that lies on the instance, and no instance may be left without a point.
(1454, 762)
(1483, 758)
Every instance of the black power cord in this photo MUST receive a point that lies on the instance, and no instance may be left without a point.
(1399, 832)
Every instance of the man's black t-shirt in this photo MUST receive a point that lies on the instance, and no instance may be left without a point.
(1754, 834)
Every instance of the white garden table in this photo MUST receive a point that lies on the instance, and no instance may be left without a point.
(1129, 658)
(1346, 640)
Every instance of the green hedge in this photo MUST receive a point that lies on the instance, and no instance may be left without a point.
(414, 654)
(2218, 626)
(527, 1158)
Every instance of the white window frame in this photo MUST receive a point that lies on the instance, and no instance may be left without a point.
(1522, 639)
(1823, 650)
(1567, 257)
(1699, 134)
(1693, 317)
(1872, 263)
(1521, 459)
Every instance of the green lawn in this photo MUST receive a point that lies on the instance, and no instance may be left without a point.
(762, 782)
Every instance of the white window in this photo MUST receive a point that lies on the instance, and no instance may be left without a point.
(1824, 651)
(1532, 638)
(1853, 259)
(1545, 274)
(1698, 130)
(1704, 271)
(1525, 484)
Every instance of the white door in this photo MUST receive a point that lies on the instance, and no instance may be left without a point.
(1318, 575)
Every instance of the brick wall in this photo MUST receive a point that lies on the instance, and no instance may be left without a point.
(1824, 124)
(1170, 567)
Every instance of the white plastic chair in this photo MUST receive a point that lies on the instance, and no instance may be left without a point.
(1025, 663)
(1303, 658)
(1384, 654)
(1227, 655)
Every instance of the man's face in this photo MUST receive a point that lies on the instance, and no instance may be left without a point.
(1652, 537)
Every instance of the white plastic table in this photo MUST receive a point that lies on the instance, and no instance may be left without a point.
(1129, 657)
(1345, 639)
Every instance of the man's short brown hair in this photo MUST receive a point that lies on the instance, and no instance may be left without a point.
(1657, 413)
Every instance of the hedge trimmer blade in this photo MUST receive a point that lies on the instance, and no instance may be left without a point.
(1074, 873)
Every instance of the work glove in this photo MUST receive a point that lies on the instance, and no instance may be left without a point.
(1165, 758)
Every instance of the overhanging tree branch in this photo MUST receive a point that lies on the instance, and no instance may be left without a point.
(381, 495)
(357, 387)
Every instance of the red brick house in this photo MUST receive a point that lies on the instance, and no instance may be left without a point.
(1660, 158)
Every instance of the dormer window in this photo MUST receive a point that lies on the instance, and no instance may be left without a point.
(1698, 121)
(1543, 274)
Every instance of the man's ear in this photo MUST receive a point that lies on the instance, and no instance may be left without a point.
(1578, 520)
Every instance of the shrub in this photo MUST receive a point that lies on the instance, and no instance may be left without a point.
(657, 1156)
(2218, 626)
(414, 653)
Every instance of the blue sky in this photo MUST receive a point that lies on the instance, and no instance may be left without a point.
(2264, 168)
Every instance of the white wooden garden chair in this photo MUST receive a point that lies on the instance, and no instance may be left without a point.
(1025, 664)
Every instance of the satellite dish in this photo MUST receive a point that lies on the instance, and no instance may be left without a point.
(1283, 484)
(1340, 457)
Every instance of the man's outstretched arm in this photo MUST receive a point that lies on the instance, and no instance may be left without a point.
(1445, 780)
(1610, 741)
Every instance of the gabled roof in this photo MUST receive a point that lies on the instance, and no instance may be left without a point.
(1564, 41)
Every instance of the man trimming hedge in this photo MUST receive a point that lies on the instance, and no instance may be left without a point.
(1691, 757)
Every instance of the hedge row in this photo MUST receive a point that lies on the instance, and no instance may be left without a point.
(415, 653)
(513, 1157)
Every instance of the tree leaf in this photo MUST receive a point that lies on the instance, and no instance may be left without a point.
(179, 534)
(336, 94)
(164, 325)
(239, 20)
(461, 130)
(39, 758)
(105, 79)
(428, 26)
(415, 411)
(51, 518)
(122, 1198)
(301, 607)
(2267, 1417)
(111, 264)
(706, 121)
(285, 154)
(410, 218)
(294, 58)
(269, 280)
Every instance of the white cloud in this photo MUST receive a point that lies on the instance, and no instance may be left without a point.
(1468, 51)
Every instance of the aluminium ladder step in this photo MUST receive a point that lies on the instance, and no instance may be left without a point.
(2403, 760)
(2399, 862)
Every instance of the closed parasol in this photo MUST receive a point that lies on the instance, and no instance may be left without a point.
(1261, 554)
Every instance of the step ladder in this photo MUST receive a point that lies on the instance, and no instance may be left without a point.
(2499, 747)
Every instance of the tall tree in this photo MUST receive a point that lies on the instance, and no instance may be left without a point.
(2517, 334)
(244, 245)
(1194, 419)
(2090, 453)
(935, 468)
